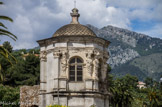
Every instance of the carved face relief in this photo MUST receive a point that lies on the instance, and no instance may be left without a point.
(43, 55)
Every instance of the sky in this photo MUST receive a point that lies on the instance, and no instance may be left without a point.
(39, 19)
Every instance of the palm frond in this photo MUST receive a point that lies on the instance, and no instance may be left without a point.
(0, 67)
(6, 54)
(1, 75)
(7, 33)
(6, 18)
(1, 2)
(1, 34)
(2, 25)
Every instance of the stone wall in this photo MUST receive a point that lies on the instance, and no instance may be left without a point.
(29, 96)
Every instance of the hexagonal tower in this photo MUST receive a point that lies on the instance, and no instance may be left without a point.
(73, 67)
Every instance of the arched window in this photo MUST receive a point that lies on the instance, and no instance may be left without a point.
(75, 69)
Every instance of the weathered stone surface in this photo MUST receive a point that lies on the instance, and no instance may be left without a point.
(73, 68)
(29, 96)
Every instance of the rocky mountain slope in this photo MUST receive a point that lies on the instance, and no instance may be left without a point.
(132, 52)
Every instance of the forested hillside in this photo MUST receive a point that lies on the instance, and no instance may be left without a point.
(131, 52)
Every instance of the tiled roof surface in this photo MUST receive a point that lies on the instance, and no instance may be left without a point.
(74, 30)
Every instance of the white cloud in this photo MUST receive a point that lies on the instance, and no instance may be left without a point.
(39, 19)
(96, 13)
(23, 28)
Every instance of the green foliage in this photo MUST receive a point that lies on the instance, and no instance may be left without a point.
(148, 97)
(25, 72)
(141, 67)
(150, 65)
(34, 51)
(6, 56)
(3, 52)
(122, 91)
(19, 53)
(23, 51)
(143, 46)
(149, 82)
(9, 96)
(126, 94)
(108, 68)
(7, 46)
(127, 68)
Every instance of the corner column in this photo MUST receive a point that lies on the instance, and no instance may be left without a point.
(42, 96)
(56, 74)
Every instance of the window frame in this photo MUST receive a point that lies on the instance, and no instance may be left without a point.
(76, 64)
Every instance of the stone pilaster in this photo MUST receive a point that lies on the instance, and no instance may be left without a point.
(56, 70)
(43, 60)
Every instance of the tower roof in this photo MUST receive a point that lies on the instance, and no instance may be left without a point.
(74, 28)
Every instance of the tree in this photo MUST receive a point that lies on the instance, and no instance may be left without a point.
(7, 46)
(149, 82)
(25, 72)
(8, 57)
(130, 80)
(122, 91)
(3, 52)
(9, 95)
(34, 51)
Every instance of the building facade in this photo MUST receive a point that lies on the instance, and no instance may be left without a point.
(74, 67)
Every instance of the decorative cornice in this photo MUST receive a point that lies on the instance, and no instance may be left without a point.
(74, 39)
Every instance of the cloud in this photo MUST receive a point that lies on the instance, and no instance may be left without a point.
(155, 31)
(39, 19)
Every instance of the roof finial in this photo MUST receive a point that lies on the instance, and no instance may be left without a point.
(75, 15)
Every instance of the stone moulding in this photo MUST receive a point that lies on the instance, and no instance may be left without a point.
(77, 39)
(94, 94)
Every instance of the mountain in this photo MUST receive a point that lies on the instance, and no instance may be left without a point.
(131, 52)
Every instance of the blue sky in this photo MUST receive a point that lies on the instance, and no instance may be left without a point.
(39, 19)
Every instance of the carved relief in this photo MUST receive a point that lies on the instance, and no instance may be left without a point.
(98, 54)
(95, 68)
(43, 55)
(63, 64)
(57, 54)
(89, 64)
(96, 64)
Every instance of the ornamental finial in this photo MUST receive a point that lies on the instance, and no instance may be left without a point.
(75, 15)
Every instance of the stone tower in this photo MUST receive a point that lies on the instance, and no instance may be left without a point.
(74, 67)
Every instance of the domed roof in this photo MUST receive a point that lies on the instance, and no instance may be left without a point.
(74, 28)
